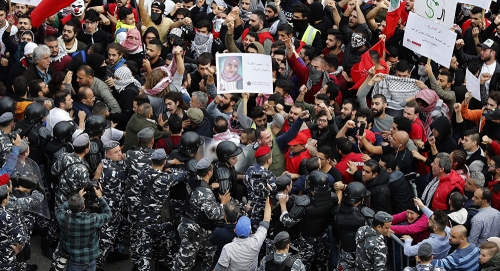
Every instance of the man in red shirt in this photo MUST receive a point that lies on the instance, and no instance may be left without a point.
(417, 133)
(494, 186)
(170, 143)
(344, 147)
(334, 45)
(296, 153)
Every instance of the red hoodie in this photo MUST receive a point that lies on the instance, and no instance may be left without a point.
(446, 186)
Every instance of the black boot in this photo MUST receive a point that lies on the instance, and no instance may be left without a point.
(116, 256)
(31, 267)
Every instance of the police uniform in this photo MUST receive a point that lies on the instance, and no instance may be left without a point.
(312, 215)
(347, 220)
(196, 228)
(136, 160)
(10, 234)
(5, 141)
(113, 182)
(371, 250)
(155, 213)
(281, 261)
(256, 179)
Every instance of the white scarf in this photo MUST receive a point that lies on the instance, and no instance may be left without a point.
(63, 45)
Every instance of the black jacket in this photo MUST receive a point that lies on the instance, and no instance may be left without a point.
(401, 194)
(380, 199)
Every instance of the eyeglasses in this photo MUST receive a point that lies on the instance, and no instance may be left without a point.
(322, 120)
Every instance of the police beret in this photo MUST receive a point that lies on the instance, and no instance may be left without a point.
(203, 164)
(195, 115)
(81, 140)
(7, 116)
(261, 151)
(425, 250)
(24, 146)
(146, 133)
(4, 189)
(281, 236)
(159, 154)
(111, 145)
(283, 180)
(383, 217)
(4, 179)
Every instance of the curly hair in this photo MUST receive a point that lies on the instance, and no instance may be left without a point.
(154, 78)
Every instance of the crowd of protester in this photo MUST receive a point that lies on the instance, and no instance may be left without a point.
(116, 144)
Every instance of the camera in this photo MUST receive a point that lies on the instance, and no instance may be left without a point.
(13, 135)
(90, 196)
(262, 184)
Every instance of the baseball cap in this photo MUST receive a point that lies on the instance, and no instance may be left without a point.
(489, 44)
(243, 227)
(300, 139)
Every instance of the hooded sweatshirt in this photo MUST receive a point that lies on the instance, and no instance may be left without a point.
(445, 142)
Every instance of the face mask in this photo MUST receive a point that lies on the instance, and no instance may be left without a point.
(218, 24)
(421, 70)
(101, 72)
(156, 17)
(357, 41)
(299, 25)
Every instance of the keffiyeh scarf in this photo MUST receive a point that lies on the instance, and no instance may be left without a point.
(202, 43)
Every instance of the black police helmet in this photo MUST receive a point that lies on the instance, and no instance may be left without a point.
(227, 149)
(318, 181)
(354, 192)
(95, 124)
(190, 143)
(7, 104)
(35, 112)
(63, 130)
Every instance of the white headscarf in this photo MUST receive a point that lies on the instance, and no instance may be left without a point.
(126, 78)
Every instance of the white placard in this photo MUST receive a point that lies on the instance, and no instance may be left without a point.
(439, 11)
(28, 2)
(430, 39)
(243, 72)
(473, 85)
(479, 3)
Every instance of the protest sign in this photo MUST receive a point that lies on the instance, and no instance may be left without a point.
(473, 85)
(478, 3)
(438, 11)
(240, 72)
(430, 39)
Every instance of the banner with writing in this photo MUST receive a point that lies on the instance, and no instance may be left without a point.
(438, 11)
(430, 39)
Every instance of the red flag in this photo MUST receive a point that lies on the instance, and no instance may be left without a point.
(394, 14)
(359, 71)
(47, 8)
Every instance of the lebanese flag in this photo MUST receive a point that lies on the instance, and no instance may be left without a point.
(397, 11)
(359, 71)
(47, 8)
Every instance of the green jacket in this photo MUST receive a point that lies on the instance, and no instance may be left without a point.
(136, 124)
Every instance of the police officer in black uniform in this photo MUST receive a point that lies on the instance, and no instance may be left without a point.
(94, 127)
(312, 214)
(224, 178)
(349, 216)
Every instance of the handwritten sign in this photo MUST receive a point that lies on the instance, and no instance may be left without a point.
(439, 11)
(473, 85)
(28, 2)
(479, 3)
(430, 39)
(241, 72)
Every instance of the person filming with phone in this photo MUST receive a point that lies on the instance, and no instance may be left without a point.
(79, 230)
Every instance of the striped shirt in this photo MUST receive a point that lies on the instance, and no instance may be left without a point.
(485, 224)
(464, 259)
